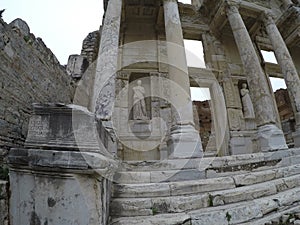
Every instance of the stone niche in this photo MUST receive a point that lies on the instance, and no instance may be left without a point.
(139, 134)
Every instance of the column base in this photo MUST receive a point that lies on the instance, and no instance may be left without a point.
(296, 137)
(271, 138)
(243, 142)
(184, 143)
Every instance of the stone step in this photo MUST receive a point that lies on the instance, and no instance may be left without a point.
(172, 188)
(274, 218)
(239, 213)
(166, 219)
(202, 185)
(178, 204)
(234, 213)
(212, 162)
(205, 170)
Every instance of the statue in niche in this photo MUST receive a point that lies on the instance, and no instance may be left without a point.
(139, 105)
(247, 103)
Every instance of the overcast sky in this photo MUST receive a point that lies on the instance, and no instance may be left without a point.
(63, 24)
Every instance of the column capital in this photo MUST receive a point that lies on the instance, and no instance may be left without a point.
(232, 7)
(268, 17)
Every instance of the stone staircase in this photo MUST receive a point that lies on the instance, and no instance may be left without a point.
(243, 189)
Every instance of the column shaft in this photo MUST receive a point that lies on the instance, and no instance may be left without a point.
(185, 141)
(107, 62)
(269, 136)
(258, 85)
(287, 66)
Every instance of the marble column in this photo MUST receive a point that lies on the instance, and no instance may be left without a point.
(184, 140)
(270, 137)
(288, 69)
(107, 62)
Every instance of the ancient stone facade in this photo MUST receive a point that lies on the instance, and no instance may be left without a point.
(127, 151)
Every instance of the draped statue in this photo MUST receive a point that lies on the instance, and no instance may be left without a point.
(247, 103)
(139, 105)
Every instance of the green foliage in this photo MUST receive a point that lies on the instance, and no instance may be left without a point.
(4, 173)
(26, 38)
(210, 200)
(228, 217)
(154, 211)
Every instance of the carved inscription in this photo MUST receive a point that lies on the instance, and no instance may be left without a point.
(38, 127)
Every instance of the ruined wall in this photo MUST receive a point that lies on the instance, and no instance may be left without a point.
(90, 46)
(29, 73)
(3, 202)
(286, 114)
(205, 120)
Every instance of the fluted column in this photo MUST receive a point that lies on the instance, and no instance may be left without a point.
(107, 62)
(269, 135)
(185, 141)
(287, 66)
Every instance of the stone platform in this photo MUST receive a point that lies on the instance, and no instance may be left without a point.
(247, 189)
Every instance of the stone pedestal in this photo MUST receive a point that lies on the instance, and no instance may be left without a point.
(64, 199)
(261, 95)
(296, 137)
(185, 142)
(271, 138)
(184, 139)
(61, 176)
(243, 142)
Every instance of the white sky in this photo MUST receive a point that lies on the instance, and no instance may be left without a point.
(63, 24)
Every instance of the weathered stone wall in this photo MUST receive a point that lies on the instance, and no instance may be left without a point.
(3, 202)
(286, 114)
(29, 73)
(90, 46)
(205, 120)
